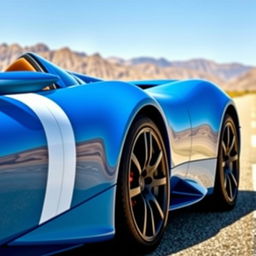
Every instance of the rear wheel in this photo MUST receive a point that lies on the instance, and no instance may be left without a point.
(143, 187)
(227, 175)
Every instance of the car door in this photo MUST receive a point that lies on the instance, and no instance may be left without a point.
(205, 104)
(37, 155)
(23, 168)
(173, 103)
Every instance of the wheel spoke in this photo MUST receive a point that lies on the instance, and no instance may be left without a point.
(224, 147)
(232, 143)
(152, 217)
(229, 160)
(156, 164)
(146, 150)
(234, 158)
(231, 174)
(150, 150)
(158, 206)
(159, 182)
(135, 191)
(231, 166)
(148, 183)
(136, 162)
(229, 187)
(148, 141)
(228, 136)
(225, 180)
(145, 216)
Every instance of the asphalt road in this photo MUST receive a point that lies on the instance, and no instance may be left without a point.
(199, 231)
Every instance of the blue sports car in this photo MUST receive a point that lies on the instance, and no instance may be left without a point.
(85, 160)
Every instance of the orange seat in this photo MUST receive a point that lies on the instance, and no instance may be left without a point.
(20, 65)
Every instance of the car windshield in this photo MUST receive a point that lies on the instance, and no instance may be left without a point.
(66, 79)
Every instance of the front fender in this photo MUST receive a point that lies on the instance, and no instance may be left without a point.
(101, 114)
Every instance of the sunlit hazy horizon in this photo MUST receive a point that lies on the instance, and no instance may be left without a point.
(221, 30)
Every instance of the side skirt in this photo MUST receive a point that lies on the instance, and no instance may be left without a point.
(192, 187)
(91, 221)
(185, 193)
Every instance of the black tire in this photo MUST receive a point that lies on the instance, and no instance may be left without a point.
(143, 188)
(228, 168)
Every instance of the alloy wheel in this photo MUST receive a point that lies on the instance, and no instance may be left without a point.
(230, 161)
(148, 184)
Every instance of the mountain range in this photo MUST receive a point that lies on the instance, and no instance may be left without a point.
(230, 76)
(223, 71)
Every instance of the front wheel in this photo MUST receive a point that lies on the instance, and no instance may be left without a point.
(143, 187)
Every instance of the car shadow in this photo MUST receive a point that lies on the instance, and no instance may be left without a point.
(186, 227)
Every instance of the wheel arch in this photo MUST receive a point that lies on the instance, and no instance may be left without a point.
(218, 198)
(155, 115)
(148, 112)
(231, 110)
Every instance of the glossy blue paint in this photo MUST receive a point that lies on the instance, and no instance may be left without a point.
(88, 222)
(85, 79)
(194, 110)
(101, 114)
(144, 84)
(177, 115)
(206, 120)
(25, 81)
(22, 129)
(100, 119)
(23, 168)
(97, 111)
(65, 78)
(89, 108)
(185, 192)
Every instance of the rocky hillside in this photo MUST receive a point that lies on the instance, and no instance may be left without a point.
(134, 69)
(246, 82)
(224, 71)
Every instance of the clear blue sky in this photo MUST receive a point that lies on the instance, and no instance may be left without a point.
(221, 30)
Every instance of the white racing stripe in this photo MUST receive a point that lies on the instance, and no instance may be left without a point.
(61, 153)
(69, 157)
